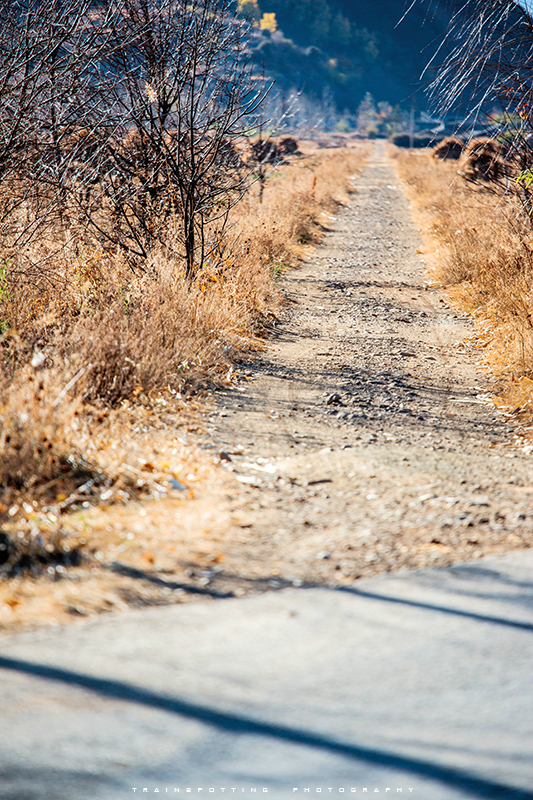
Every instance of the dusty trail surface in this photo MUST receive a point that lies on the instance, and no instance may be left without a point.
(366, 436)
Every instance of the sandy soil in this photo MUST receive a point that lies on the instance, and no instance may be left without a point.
(364, 440)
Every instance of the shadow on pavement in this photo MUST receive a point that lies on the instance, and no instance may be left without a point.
(133, 572)
(234, 723)
(526, 626)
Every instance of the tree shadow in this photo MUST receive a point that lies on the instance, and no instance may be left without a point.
(140, 574)
(526, 626)
(242, 725)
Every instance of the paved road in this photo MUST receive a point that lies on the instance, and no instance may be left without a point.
(417, 681)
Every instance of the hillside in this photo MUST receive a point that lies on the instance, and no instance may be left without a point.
(345, 49)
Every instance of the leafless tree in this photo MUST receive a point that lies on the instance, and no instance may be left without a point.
(178, 89)
(48, 96)
(123, 118)
(488, 76)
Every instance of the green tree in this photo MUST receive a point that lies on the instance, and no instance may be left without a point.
(368, 43)
(321, 22)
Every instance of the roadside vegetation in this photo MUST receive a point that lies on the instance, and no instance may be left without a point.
(139, 260)
(479, 244)
(474, 195)
(71, 469)
(104, 340)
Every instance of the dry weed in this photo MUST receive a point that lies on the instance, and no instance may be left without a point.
(481, 249)
(95, 356)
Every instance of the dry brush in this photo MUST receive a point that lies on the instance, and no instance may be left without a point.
(105, 350)
(480, 245)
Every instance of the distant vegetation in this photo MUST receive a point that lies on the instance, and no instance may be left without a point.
(337, 50)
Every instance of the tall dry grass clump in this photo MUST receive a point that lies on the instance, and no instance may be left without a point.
(480, 243)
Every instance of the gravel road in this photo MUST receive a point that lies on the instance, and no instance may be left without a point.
(365, 436)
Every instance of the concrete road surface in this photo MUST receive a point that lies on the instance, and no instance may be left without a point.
(416, 684)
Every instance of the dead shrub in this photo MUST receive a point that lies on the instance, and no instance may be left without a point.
(156, 333)
(80, 328)
(449, 148)
(480, 245)
(34, 441)
(418, 140)
(482, 159)
(265, 151)
(34, 554)
(273, 151)
(288, 146)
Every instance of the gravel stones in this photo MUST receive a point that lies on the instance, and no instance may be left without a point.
(368, 434)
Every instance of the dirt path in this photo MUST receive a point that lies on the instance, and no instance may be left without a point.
(363, 441)
(365, 436)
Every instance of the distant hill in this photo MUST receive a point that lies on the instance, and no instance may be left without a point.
(346, 48)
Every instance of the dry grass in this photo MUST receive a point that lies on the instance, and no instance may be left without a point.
(95, 356)
(481, 248)
(295, 203)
